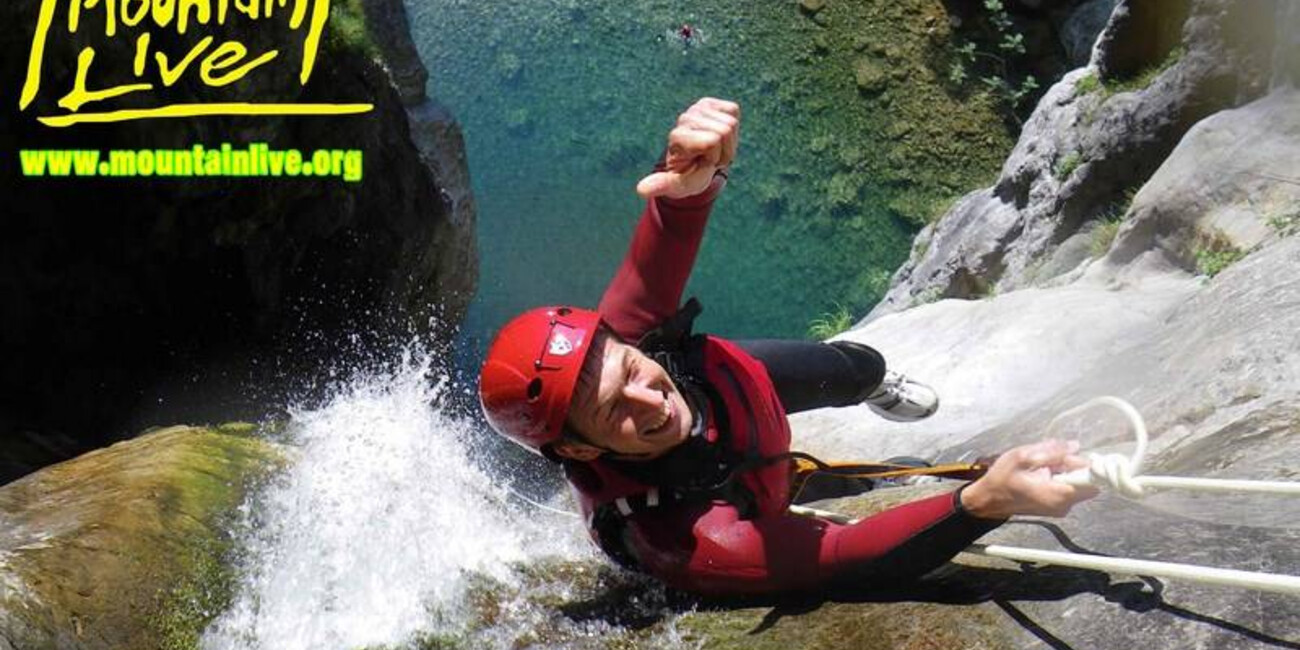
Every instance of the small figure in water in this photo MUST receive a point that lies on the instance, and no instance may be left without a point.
(687, 35)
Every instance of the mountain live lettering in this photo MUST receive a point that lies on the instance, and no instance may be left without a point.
(215, 63)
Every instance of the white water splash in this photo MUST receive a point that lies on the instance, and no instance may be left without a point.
(366, 540)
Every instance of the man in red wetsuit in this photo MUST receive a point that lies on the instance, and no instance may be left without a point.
(675, 443)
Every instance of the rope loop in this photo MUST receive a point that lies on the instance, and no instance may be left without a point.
(1116, 471)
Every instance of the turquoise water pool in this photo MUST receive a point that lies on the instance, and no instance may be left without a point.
(850, 140)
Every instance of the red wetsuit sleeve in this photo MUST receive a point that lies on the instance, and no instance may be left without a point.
(708, 549)
(647, 288)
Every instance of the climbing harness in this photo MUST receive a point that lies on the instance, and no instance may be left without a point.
(1123, 474)
(807, 466)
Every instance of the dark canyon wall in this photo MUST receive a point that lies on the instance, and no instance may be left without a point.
(127, 302)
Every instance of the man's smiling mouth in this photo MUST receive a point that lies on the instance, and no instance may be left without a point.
(665, 416)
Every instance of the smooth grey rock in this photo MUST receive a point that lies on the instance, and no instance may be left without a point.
(1210, 364)
(1230, 175)
(990, 359)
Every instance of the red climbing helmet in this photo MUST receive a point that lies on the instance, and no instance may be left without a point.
(527, 381)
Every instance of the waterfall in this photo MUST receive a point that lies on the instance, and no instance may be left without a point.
(369, 537)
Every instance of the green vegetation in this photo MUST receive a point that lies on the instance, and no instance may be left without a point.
(1146, 76)
(922, 248)
(1008, 43)
(1105, 88)
(347, 28)
(842, 191)
(1211, 262)
(1066, 165)
(830, 323)
(205, 588)
(1284, 224)
(202, 500)
(878, 284)
(933, 294)
(1088, 84)
(1126, 201)
(1104, 234)
(1214, 252)
(1091, 83)
(923, 208)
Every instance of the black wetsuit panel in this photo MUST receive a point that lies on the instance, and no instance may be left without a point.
(810, 374)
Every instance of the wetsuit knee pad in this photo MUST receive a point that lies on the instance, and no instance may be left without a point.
(868, 365)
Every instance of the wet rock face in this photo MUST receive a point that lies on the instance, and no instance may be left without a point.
(126, 547)
(1094, 139)
(112, 289)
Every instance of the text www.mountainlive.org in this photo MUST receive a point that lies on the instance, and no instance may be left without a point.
(257, 160)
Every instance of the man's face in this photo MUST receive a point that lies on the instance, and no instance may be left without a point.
(625, 403)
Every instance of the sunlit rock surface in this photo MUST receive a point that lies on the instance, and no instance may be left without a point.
(1210, 362)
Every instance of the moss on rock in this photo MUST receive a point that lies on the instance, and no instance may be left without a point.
(127, 546)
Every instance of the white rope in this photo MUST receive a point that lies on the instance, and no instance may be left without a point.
(1229, 577)
(1123, 474)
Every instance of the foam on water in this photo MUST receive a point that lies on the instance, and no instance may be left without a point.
(367, 538)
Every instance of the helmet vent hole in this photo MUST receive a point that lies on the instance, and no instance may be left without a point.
(534, 389)
(563, 311)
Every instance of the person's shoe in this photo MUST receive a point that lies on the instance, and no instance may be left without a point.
(903, 400)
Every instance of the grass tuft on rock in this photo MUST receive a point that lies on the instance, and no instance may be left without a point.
(1214, 252)
(830, 323)
(1089, 83)
(1104, 235)
(1067, 164)
(347, 29)
(1284, 223)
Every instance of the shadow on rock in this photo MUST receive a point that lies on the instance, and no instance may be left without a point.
(639, 604)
